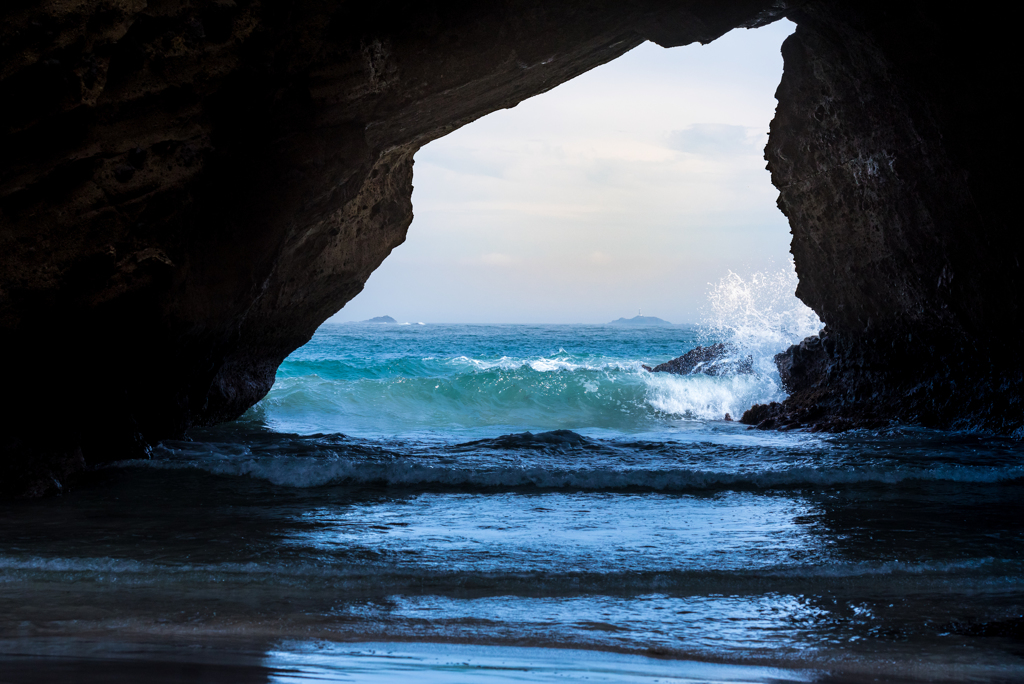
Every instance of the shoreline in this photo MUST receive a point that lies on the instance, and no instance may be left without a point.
(234, 658)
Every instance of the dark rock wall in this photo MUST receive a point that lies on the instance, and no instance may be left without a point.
(188, 188)
(889, 151)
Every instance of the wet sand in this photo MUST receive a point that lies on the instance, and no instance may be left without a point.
(85, 661)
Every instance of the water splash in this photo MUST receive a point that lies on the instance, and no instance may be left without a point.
(699, 397)
(759, 316)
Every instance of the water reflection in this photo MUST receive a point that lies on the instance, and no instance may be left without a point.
(850, 573)
(294, 662)
(459, 664)
(568, 532)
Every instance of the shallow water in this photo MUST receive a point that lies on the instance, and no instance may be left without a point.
(524, 487)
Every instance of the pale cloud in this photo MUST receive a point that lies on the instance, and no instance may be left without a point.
(462, 160)
(717, 140)
(497, 259)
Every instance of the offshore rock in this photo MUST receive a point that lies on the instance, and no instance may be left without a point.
(641, 321)
(717, 359)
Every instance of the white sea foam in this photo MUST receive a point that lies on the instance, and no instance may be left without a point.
(705, 397)
(759, 316)
(545, 364)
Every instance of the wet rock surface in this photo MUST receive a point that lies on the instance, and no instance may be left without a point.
(902, 230)
(838, 385)
(715, 359)
(188, 189)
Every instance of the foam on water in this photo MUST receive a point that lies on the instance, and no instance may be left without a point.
(709, 398)
(465, 664)
(759, 314)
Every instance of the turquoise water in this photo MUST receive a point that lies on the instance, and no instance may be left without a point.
(507, 490)
(458, 381)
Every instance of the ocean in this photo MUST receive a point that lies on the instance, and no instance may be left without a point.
(497, 503)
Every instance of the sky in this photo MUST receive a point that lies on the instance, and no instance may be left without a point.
(636, 186)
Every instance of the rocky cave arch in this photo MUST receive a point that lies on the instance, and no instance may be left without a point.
(188, 188)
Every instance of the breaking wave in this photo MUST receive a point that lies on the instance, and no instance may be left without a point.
(539, 377)
(759, 315)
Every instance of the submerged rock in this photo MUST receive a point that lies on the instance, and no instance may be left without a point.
(553, 438)
(717, 359)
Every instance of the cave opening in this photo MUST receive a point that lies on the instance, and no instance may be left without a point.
(636, 189)
(633, 186)
(190, 189)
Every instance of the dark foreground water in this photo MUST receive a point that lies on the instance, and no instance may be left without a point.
(522, 503)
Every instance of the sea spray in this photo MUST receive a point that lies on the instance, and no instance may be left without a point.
(757, 317)
(704, 397)
(760, 314)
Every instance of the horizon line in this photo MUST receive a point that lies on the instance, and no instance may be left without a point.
(667, 323)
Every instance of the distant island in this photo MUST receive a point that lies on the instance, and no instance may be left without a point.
(381, 319)
(640, 320)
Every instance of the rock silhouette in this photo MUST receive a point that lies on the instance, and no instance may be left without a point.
(716, 359)
(188, 190)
